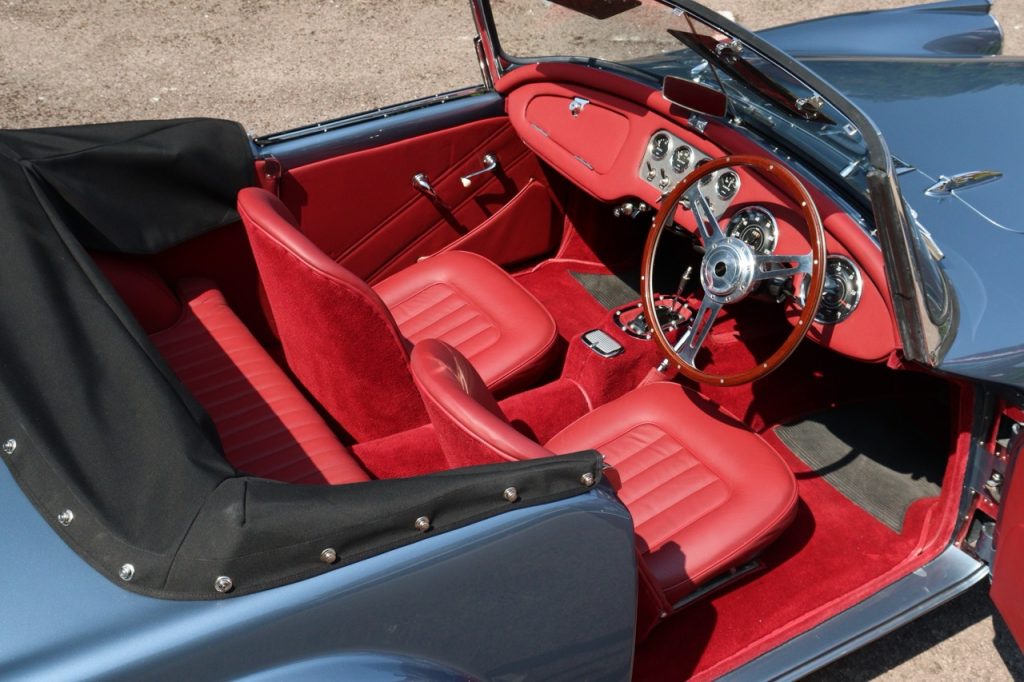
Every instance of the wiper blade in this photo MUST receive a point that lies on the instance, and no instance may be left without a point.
(726, 54)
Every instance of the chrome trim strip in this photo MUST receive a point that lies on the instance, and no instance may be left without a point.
(947, 576)
(377, 131)
(355, 119)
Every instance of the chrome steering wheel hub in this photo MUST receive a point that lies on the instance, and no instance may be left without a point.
(728, 269)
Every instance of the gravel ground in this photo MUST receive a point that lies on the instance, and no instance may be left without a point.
(276, 65)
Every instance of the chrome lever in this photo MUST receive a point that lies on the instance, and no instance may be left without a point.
(490, 162)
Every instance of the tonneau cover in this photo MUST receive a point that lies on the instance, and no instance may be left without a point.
(98, 425)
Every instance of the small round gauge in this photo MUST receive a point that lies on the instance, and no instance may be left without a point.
(728, 183)
(681, 158)
(659, 146)
(756, 227)
(841, 292)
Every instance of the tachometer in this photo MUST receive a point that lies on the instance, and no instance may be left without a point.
(755, 226)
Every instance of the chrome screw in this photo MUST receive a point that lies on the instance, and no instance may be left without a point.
(587, 479)
(65, 517)
(328, 556)
(10, 445)
(127, 572)
(510, 494)
(423, 524)
(223, 584)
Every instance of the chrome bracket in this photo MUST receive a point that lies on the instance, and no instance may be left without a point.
(576, 106)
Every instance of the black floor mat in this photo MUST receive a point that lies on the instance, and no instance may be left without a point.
(611, 291)
(882, 456)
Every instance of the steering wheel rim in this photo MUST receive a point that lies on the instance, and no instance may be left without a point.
(733, 270)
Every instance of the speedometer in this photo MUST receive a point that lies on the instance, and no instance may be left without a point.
(755, 226)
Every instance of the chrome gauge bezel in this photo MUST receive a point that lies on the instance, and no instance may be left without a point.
(853, 286)
(662, 172)
(771, 231)
(653, 148)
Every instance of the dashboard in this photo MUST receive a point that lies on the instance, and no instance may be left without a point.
(619, 140)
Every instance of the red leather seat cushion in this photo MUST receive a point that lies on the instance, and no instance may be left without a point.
(266, 426)
(472, 304)
(705, 492)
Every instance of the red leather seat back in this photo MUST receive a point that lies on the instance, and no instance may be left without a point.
(338, 337)
(469, 423)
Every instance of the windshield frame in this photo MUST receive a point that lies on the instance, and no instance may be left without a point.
(924, 339)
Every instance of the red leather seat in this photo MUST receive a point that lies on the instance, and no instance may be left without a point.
(266, 426)
(705, 492)
(349, 344)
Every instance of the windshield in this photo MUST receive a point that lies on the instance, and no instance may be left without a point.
(651, 40)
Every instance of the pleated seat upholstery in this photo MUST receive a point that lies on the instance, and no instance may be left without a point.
(266, 425)
(706, 493)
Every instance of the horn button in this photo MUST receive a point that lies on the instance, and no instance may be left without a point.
(727, 271)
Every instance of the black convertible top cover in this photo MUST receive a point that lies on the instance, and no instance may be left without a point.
(94, 422)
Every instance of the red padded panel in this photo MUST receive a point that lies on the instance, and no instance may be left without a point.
(577, 134)
(266, 426)
(364, 212)
(705, 492)
(526, 226)
(469, 302)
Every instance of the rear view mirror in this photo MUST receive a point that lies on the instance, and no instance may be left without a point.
(694, 96)
(598, 9)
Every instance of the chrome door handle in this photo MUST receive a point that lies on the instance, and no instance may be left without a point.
(421, 182)
(490, 162)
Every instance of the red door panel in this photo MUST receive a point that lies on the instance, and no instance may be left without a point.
(363, 210)
(1008, 568)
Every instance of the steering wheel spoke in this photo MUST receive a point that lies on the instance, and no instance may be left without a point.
(771, 266)
(689, 345)
(707, 224)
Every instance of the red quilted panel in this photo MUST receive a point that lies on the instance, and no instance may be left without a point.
(266, 426)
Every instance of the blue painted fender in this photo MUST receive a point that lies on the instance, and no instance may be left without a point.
(956, 28)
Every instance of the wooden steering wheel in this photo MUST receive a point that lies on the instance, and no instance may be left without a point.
(731, 269)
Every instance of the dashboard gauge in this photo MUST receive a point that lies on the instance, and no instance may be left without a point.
(728, 183)
(755, 226)
(681, 158)
(659, 146)
(841, 292)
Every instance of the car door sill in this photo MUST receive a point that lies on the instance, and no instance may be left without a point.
(947, 576)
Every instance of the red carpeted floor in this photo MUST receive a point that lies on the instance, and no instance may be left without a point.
(833, 553)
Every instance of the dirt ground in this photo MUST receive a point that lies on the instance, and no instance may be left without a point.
(275, 65)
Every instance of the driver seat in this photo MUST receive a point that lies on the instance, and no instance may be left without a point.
(705, 492)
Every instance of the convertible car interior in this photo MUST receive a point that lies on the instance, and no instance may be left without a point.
(388, 312)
